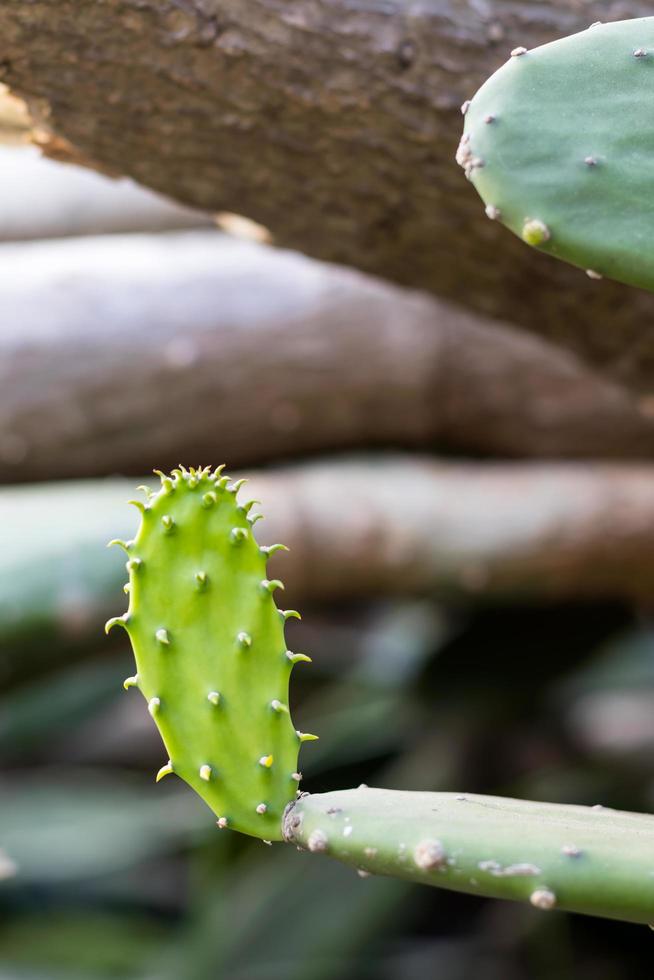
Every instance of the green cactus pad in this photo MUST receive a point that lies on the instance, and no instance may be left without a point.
(559, 143)
(211, 659)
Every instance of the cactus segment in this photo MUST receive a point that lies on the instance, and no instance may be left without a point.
(211, 657)
(560, 146)
(592, 860)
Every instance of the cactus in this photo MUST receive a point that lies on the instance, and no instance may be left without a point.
(557, 144)
(213, 667)
(211, 660)
(581, 859)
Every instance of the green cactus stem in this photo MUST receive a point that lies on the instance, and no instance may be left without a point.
(582, 859)
(211, 658)
(559, 144)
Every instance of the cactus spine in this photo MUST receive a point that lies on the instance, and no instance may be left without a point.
(583, 859)
(211, 659)
(558, 144)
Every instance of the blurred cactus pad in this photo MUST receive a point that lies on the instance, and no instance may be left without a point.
(559, 143)
(211, 659)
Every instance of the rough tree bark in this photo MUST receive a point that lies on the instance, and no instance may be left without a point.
(334, 123)
(120, 354)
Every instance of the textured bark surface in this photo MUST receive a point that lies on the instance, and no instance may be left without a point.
(333, 123)
(123, 353)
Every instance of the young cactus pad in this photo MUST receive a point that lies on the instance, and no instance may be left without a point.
(211, 659)
(559, 143)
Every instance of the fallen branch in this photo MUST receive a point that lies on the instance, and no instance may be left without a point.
(122, 354)
(333, 124)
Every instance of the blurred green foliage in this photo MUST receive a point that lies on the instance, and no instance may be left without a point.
(120, 878)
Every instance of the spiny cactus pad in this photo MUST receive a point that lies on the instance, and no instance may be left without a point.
(211, 659)
(559, 144)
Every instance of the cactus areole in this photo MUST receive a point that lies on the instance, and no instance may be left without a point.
(559, 143)
(211, 659)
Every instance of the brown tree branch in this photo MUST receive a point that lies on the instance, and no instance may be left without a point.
(333, 123)
(120, 354)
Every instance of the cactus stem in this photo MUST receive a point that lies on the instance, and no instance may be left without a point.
(161, 636)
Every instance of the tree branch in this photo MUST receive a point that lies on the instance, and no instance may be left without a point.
(120, 354)
(332, 123)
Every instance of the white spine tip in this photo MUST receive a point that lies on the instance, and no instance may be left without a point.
(543, 898)
(317, 842)
(221, 823)
(492, 212)
(429, 855)
(518, 52)
(297, 776)
(205, 773)
(266, 761)
(161, 636)
(592, 274)
(278, 706)
(213, 697)
(131, 682)
(153, 706)
(262, 808)
(244, 640)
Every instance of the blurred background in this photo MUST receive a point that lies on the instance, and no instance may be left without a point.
(478, 621)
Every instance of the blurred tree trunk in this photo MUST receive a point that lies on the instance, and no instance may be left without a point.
(333, 124)
(124, 353)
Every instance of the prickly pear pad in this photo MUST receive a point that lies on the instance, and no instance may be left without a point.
(211, 659)
(559, 144)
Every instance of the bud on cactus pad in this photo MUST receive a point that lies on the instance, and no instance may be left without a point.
(211, 659)
(559, 143)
